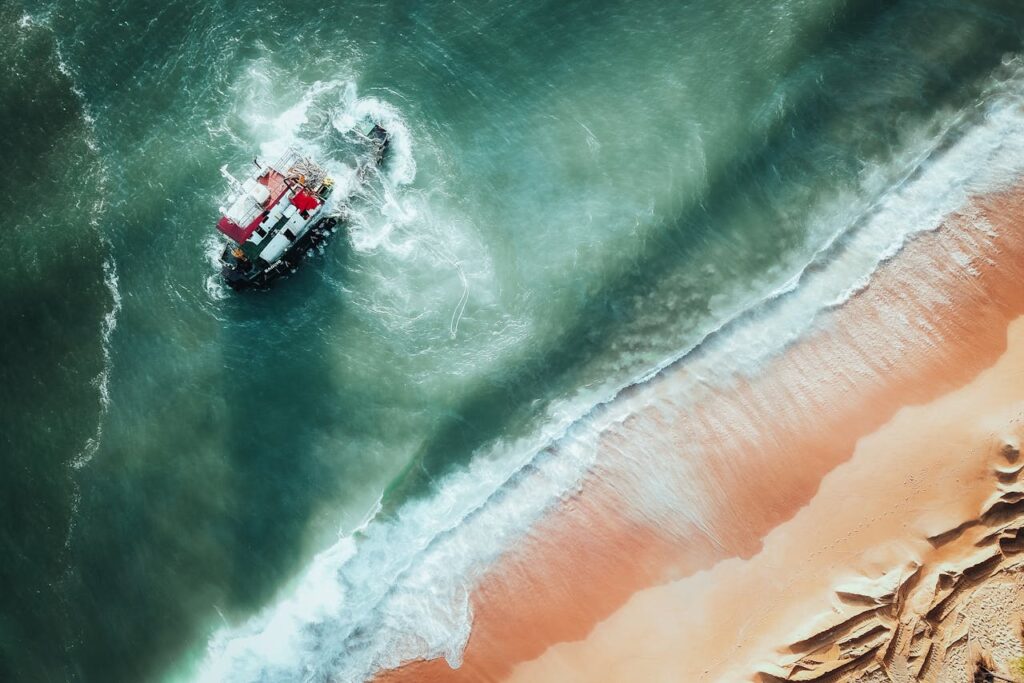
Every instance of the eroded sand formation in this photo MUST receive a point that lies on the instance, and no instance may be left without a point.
(936, 621)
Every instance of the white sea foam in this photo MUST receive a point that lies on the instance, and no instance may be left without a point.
(403, 223)
(366, 231)
(214, 285)
(347, 111)
(285, 126)
(215, 289)
(401, 164)
(426, 259)
(866, 228)
(96, 212)
(102, 380)
(941, 175)
(460, 308)
(399, 589)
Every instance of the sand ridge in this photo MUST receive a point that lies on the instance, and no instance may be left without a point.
(938, 615)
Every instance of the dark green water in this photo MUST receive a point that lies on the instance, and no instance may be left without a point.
(578, 192)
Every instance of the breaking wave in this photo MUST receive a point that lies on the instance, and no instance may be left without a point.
(398, 589)
(972, 153)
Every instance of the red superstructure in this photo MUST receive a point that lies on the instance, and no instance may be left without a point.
(277, 186)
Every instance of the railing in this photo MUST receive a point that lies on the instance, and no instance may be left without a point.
(293, 164)
(249, 215)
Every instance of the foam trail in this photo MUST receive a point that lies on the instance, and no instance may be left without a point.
(401, 162)
(214, 284)
(399, 590)
(460, 307)
(108, 323)
(102, 381)
(110, 279)
(399, 210)
(286, 129)
(399, 170)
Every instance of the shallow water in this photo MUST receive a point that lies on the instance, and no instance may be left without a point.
(578, 193)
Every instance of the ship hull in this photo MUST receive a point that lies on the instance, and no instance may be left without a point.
(241, 274)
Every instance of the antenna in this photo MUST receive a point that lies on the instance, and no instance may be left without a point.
(232, 180)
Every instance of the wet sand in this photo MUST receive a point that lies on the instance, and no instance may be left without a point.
(904, 566)
(719, 519)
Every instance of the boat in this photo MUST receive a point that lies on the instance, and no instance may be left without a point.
(279, 213)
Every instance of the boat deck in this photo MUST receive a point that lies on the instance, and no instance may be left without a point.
(275, 183)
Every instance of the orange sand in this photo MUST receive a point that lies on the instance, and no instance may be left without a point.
(682, 494)
(926, 472)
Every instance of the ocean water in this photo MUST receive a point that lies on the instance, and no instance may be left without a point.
(304, 483)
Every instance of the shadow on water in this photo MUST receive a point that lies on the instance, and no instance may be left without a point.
(52, 299)
(281, 395)
(48, 411)
(170, 536)
(843, 100)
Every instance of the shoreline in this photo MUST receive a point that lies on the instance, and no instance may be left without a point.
(908, 564)
(749, 456)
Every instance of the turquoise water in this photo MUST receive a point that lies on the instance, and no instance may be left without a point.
(577, 193)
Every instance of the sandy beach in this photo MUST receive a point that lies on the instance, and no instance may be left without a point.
(817, 520)
(904, 566)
